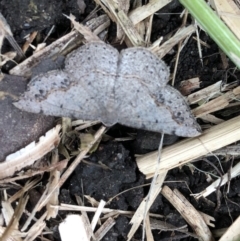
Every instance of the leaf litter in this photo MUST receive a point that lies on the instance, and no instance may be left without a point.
(66, 174)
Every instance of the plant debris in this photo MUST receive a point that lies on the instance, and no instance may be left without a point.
(89, 174)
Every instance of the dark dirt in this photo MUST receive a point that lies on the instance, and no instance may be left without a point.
(18, 128)
(26, 16)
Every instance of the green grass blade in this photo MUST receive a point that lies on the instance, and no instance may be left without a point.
(215, 27)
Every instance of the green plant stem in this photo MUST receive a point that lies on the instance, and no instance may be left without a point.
(215, 27)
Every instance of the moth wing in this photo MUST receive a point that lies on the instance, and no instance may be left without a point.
(82, 90)
(144, 65)
(163, 111)
(96, 63)
(54, 94)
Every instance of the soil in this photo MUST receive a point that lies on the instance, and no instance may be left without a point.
(26, 16)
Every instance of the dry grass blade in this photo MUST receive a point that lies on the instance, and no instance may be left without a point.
(61, 165)
(213, 187)
(149, 234)
(218, 103)
(32, 152)
(189, 213)
(233, 150)
(53, 180)
(233, 232)
(28, 185)
(124, 5)
(85, 219)
(212, 119)
(69, 207)
(141, 13)
(47, 195)
(87, 125)
(142, 209)
(208, 219)
(120, 17)
(181, 45)
(51, 51)
(164, 226)
(162, 50)
(84, 30)
(9, 231)
(62, 46)
(105, 227)
(207, 93)
(36, 229)
(6, 32)
(34, 211)
(29, 40)
(97, 214)
(15, 236)
(187, 150)
(230, 13)
(45, 198)
(7, 212)
(99, 24)
(9, 56)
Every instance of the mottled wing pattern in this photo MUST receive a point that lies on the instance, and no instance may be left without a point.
(146, 66)
(148, 102)
(45, 93)
(81, 90)
(98, 83)
(93, 68)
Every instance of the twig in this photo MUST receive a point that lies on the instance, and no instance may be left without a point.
(192, 148)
